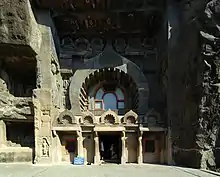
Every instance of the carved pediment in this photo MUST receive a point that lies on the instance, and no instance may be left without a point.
(88, 118)
(66, 117)
(152, 118)
(109, 117)
(130, 117)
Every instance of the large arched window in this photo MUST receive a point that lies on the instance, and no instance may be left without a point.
(113, 100)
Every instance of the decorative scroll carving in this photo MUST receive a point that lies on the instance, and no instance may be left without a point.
(109, 117)
(88, 118)
(130, 117)
(45, 148)
(67, 117)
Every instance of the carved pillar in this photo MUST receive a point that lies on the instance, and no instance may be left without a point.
(140, 148)
(42, 126)
(2, 134)
(123, 144)
(169, 147)
(97, 153)
(80, 144)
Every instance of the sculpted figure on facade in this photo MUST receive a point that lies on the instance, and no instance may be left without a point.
(45, 148)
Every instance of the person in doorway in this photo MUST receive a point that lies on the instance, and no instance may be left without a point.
(112, 151)
(102, 150)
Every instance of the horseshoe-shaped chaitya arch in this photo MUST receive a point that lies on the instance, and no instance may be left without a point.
(130, 115)
(88, 117)
(111, 114)
(66, 117)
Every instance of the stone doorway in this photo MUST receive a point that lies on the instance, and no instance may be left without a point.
(69, 146)
(110, 147)
(153, 147)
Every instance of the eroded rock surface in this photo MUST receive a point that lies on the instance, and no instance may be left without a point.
(193, 95)
(19, 33)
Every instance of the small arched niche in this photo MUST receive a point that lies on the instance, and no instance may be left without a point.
(88, 120)
(130, 117)
(66, 117)
(109, 117)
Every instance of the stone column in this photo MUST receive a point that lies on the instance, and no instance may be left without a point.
(97, 153)
(2, 134)
(123, 156)
(80, 144)
(140, 148)
(169, 147)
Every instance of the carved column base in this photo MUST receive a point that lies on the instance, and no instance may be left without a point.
(123, 160)
(140, 159)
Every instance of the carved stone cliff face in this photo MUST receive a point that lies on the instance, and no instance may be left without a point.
(193, 74)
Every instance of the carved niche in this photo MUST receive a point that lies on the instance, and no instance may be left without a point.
(119, 45)
(97, 45)
(66, 118)
(88, 118)
(45, 148)
(130, 117)
(81, 44)
(152, 118)
(109, 117)
(67, 42)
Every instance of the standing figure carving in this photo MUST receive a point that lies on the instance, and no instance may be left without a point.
(45, 148)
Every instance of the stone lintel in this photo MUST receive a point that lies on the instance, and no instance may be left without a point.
(152, 129)
(108, 129)
(72, 128)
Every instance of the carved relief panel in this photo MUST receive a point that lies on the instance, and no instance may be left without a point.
(45, 148)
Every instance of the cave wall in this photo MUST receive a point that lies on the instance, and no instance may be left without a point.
(188, 76)
(192, 92)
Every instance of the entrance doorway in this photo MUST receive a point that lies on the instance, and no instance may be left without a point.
(110, 147)
(69, 143)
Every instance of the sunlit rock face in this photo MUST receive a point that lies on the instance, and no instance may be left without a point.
(175, 46)
(19, 33)
(193, 94)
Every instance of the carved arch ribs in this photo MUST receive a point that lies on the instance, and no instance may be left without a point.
(103, 75)
(66, 117)
(109, 66)
(109, 117)
(130, 117)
